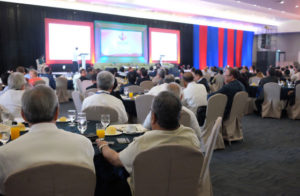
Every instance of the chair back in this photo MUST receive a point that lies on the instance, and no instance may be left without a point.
(94, 113)
(77, 99)
(38, 82)
(90, 92)
(85, 84)
(215, 108)
(293, 111)
(51, 180)
(78, 85)
(175, 171)
(143, 105)
(185, 118)
(219, 82)
(232, 128)
(297, 92)
(272, 91)
(62, 89)
(135, 89)
(210, 149)
(46, 80)
(148, 84)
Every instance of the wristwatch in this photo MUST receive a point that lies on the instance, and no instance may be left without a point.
(101, 146)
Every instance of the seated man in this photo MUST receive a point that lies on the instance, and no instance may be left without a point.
(83, 75)
(94, 81)
(194, 95)
(44, 142)
(176, 90)
(105, 83)
(48, 74)
(144, 76)
(231, 87)
(162, 87)
(201, 80)
(166, 129)
(131, 76)
(11, 98)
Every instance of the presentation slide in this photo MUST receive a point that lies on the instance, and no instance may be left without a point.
(120, 42)
(164, 45)
(63, 36)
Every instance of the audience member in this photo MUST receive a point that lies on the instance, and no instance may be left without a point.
(131, 76)
(11, 99)
(159, 78)
(162, 87)
(166, 129)
(4, 78)
(144, 76)
(48, 74)
(83, 75)
(94, 81)
(199, 79)
(44, 143)
(271, 77)
(194, 95)
(33, 77)
(105, 83)
(231, 87)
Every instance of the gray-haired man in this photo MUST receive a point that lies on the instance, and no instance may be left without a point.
(44, 142)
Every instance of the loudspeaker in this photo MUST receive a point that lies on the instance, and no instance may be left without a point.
(265, 59)
(265, 41)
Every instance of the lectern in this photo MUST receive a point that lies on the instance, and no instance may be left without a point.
(83, 64)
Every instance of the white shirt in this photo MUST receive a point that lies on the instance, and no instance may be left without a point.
(45, 143)
(11, 100)
(194, 95)
(157, 89)
(75, 55)
(182, 136)
(193, 124)
(295, 77)
(105, 99)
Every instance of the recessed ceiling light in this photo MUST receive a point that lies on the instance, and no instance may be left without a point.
(254, 5)
(238, 1)
(296, 6)
(281, 2)
(269, 8)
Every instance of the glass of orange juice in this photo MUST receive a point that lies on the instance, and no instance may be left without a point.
(131, 95)
(100, 131)
(15, 132)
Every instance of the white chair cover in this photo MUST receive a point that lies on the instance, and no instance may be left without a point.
(204, 174)
(215, 108)
(62, 89)
(38, 82)
(77, 100)
(78, 85)
(143, 105)
(90, 92)
(218, 83)
(135, 89)
(294, 111)
(250, 105)
(46, 80)
(185, 118)
(51, 179)
(94, 113)
(232, 127)
(271, 106)
(147, 84)
(175, 171)
(85, 84)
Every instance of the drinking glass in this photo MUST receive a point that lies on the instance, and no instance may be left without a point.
(5, 118)
(72, 117)
(81, 122)
(100, 131)
(105, 120)
(126, 91)
(4, 136)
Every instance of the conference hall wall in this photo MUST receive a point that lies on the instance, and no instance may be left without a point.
(22, 32)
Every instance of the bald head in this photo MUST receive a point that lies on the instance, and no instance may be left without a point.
(188, 77)
(175, 89)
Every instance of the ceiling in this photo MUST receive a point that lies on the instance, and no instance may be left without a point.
(239, 14)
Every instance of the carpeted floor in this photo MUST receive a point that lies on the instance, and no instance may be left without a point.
(267, 162)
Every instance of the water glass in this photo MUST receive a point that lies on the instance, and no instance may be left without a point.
(4, 136)
(81, 122)
(72, 117)
(126, 91)
(105, 120)
(5, 116)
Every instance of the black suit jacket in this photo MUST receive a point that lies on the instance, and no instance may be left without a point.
(205, 83)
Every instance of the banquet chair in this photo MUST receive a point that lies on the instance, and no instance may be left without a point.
(77, 99)
(46, 80)
(39, 82)
(84, 84)
(294, 110)
(78, 85)
(94, 113)
(232, 127)
(51, 179)
(254, 80)
(211, 142)
(135, 89)
(90, 92)
(215, 108)
(175, 171)
(250, 105)
(146, 85)
(272, 105)
(218, 83)
(62, 89)
(143, 105)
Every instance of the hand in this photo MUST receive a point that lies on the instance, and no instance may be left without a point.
(101, 142)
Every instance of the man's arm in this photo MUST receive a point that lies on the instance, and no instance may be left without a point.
(109, 154)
